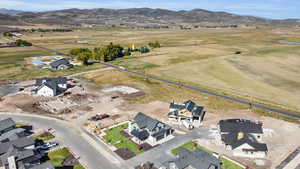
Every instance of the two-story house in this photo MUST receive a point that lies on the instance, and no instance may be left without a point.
(144, 128)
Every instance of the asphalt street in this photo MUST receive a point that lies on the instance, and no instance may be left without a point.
(162, 153)
(71, 137)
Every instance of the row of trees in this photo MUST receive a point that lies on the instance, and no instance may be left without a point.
(105, 54)
(109, 52)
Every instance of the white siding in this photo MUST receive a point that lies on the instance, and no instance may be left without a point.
(45, 91)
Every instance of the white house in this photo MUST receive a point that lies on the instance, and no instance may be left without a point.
(145, 129)
(243, 137)
(50, 87)
(187, 113)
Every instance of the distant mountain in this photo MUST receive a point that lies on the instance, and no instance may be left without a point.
(9, 11)
(10, 20)
(147, 17)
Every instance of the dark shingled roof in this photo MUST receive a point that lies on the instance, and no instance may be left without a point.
(12, 134)
(59, 62)
(232, 140)
(141, 135)
(197, 159)
(192, 107)
(245, 126)
(57, 80)
(7, 123)
(144, 121)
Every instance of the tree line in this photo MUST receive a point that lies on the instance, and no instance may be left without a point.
(107, 53)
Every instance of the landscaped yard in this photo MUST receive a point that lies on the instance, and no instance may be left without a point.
(226, 164)
(115, 138)
(56, 157)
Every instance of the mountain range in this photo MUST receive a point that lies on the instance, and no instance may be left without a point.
(138, 17)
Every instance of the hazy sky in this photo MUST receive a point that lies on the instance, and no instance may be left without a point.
(263, 8)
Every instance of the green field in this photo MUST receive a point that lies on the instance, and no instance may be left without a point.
(226, 164)
(265, 71)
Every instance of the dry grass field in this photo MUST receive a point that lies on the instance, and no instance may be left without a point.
(265, 70)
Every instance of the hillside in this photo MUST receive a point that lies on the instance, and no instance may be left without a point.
(146, 17)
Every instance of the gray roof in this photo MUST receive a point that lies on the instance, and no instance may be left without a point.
(191, 106)
(197, 159)
(245, 126)
(47, 165)
(144, 121)
(12, 134)
(59, 62)
(248, 138)
(19, 143)
(56, 80)
(7, 123)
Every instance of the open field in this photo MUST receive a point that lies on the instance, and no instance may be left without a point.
(264, 71)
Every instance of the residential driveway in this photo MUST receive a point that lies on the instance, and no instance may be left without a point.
(89, 152)
(162, 153)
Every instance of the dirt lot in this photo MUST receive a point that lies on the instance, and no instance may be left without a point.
(279, 136)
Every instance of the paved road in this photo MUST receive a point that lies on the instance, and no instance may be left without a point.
(201, 90)
(88, 151)
(162, 153)
(290, 159)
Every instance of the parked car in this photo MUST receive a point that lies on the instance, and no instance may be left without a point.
(47, 146)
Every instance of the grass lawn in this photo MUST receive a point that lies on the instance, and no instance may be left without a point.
(114, 137)
(78, 167)
(226, 164)
(58, 156)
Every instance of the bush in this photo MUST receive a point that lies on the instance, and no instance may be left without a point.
(238, 52)
(21, 42)
(155, 44)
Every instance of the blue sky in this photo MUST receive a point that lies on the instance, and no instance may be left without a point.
(277, 9)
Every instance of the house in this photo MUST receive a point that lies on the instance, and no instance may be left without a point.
(13, 135)
(187, 113)
(243, 137)
(16, 158)
(7, 125)
(50, 87)
(27, 143)
(61, 64)
(145, 129)
(198, 159)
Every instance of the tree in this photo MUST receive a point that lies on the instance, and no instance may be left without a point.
(97, 54)
(84, 57)
(127, 52)
(77, 51)
(111, 52)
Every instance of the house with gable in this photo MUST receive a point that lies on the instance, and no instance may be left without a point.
(187, 113)
(243, 137)
(145, 129)
(198, 159)
(61, 64)
(50, 87)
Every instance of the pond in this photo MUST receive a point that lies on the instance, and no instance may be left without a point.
(289, 42)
